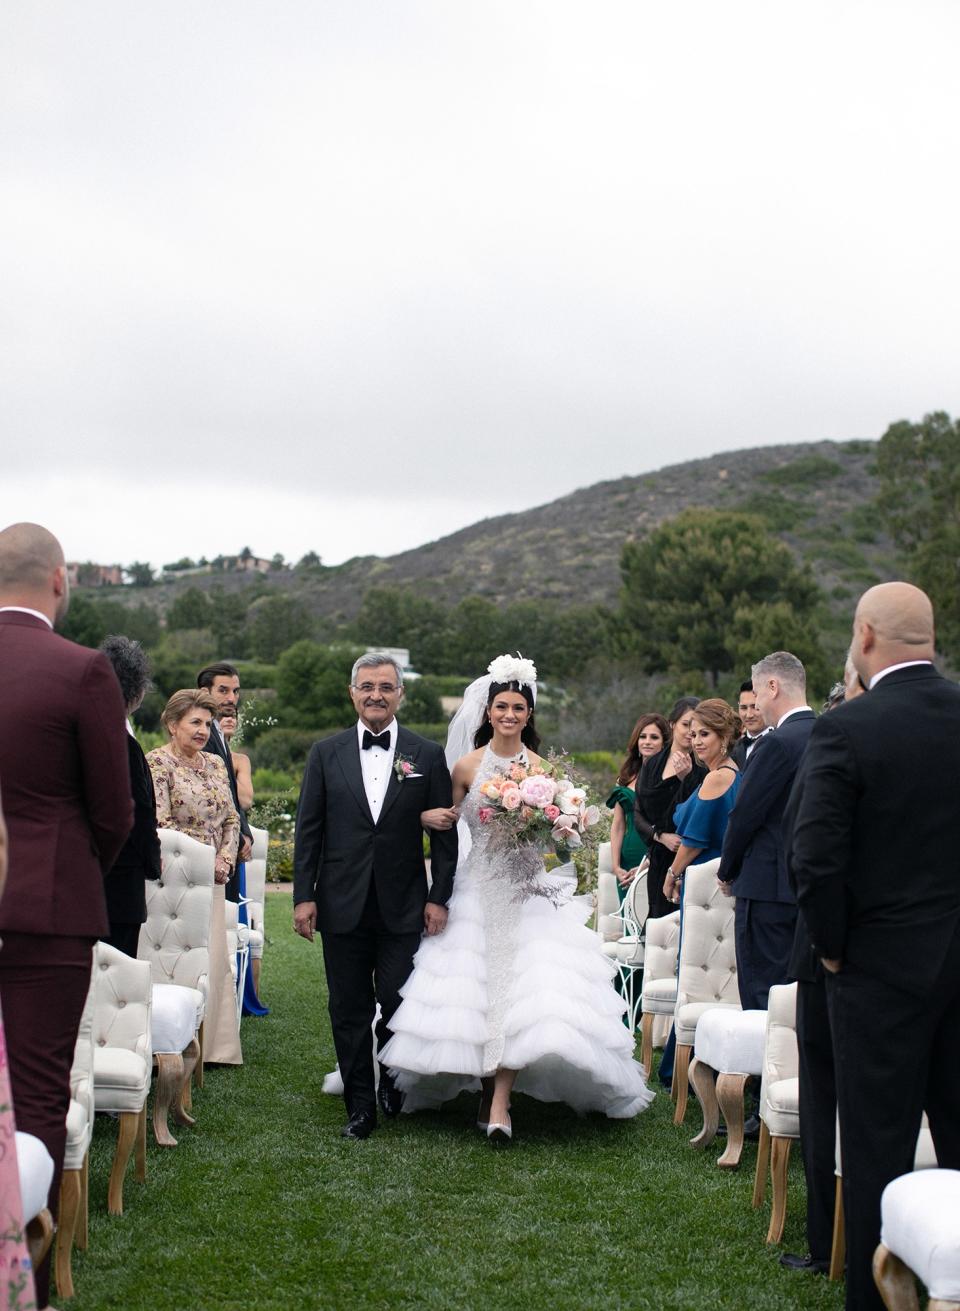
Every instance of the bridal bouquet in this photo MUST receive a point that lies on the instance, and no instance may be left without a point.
(533, 809)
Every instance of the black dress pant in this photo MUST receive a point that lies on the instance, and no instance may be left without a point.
(763, 934)
(368, 965)
(818, 1114)
(44, 982)
(125, 937)
(896, 1055)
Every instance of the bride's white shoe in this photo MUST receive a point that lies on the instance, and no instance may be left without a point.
(499, 1133)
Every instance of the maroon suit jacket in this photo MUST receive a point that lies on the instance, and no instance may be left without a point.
(64, 779)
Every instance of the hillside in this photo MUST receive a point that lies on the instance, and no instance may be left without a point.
(816, 496)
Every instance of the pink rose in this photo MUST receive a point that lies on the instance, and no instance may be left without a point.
(551, 812)
(406, 766)
(484, 814)
(510, 799)
(538, 791)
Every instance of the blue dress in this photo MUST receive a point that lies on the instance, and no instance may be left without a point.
(700, 824)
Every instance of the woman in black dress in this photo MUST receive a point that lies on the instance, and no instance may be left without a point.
(666, 780)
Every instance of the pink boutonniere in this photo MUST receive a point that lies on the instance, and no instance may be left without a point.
(404, 768)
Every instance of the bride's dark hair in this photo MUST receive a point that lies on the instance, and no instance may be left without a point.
(529, 737)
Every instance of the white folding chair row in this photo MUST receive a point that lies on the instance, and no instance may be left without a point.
(627, 950)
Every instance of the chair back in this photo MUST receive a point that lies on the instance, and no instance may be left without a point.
(123, 1002)
(781, 1059)
(636, 904)
(81, 1072)
(175, 938)
(257, 865)
(609, 922)
(662, 940)
(708, 963)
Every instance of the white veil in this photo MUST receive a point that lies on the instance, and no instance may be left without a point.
(464, 724)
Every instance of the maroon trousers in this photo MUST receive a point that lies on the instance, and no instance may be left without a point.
(44, 982)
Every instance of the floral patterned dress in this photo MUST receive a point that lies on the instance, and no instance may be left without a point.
(199, 803)
(16, 1272)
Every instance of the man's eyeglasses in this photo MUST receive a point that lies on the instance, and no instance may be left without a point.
(385, 689)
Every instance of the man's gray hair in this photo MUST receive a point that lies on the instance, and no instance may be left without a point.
(372, 660)
(782, 666)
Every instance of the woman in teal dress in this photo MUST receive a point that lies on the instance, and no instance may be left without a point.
(651, 734)
(701, 820)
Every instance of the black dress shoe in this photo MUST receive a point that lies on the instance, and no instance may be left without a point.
(389, 1099)
(793, 1262)
(751, 1127)
(360, 1125)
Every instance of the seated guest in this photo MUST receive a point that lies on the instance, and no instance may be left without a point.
(240, 761)
(194, 797)
(140, 858)
(666, 778)
(651, 733)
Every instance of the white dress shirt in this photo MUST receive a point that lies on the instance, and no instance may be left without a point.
(752, 742)
(375, 766)
(25, 610)
(904, 664)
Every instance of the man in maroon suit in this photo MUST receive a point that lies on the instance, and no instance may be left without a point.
(67, 802)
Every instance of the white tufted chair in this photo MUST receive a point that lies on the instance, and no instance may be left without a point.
(627, 950)
(74, 1191)
(707, 970)
(174, 940)
(728, 1050)
(256, 894)
(919, 1239)
(779, 1104)
(122, 1056)
(35, 1168)
(609, 922)
(659, 995)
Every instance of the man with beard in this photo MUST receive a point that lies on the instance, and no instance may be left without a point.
(223, 683)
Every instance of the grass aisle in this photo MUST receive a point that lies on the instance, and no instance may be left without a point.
(264, 1207)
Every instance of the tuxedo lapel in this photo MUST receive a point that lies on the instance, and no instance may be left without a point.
(348, 754)
(408, 747)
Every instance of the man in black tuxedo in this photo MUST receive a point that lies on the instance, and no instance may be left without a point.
(223, 683)
(360, 876)
(753, 725)
(753, 864)
(874, 853)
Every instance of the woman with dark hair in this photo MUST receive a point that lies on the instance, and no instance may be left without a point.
(124, 886)
(666, 779)
(651, 733)
(515, 993)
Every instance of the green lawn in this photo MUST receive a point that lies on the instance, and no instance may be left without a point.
(263, 1205)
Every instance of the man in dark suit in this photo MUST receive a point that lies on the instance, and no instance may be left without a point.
(874, 853)
(753, 725)
(66, 797)
(753, 864)
(360, 877)
(223, 683)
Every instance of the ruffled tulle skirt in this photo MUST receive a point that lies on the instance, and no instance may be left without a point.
(521, 986)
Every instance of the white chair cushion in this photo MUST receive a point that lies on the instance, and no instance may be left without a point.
(731, 1041)
(688, 1016)
(79, 1133)
(35, 1166)
(919, 1225)
(174, 1017)
(121, 1078)
(609, 927)
(256, 942)
(628, 951)
(782, 1111)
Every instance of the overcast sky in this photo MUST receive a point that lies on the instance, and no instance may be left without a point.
(364, 273)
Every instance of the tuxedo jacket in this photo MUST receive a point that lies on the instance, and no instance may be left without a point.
(754, 859)
(140, 857)
(874, 851)
(64, 779)
(339, 850)
(739, 753)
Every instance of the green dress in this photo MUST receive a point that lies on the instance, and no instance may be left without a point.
(633, 848)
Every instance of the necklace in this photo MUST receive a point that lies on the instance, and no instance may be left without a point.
(199, 767)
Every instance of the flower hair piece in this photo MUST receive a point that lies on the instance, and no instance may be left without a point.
(513, 669)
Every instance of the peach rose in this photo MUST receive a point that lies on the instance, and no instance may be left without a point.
(510, 799)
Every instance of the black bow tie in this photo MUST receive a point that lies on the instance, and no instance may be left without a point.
(376, 740)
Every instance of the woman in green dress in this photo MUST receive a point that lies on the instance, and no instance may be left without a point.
(651, 734)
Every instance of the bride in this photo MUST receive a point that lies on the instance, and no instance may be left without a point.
(513, 994)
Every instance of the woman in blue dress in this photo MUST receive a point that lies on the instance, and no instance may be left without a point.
(701, 820)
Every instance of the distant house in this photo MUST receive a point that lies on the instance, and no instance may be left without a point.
(245, 563)
(88, 574)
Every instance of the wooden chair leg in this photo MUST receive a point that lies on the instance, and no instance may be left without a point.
(71, 1199)
(703, 1080)
(763, 1166)
(126, 1137)
(895, 1282)
(140, 1159)
(191, 1055)
(39, 1236)
(838, 1248)
(82, 1236)
(730, 1096)
(255, 963)
(198, 1068)
(778, 1173)
(681, 1066)
(169, 1079)
(646, 1043)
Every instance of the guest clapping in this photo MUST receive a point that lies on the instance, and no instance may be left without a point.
(650, 735)
(139, 860)
(194, 797)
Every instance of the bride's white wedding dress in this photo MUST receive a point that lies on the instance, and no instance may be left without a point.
(519, 985)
